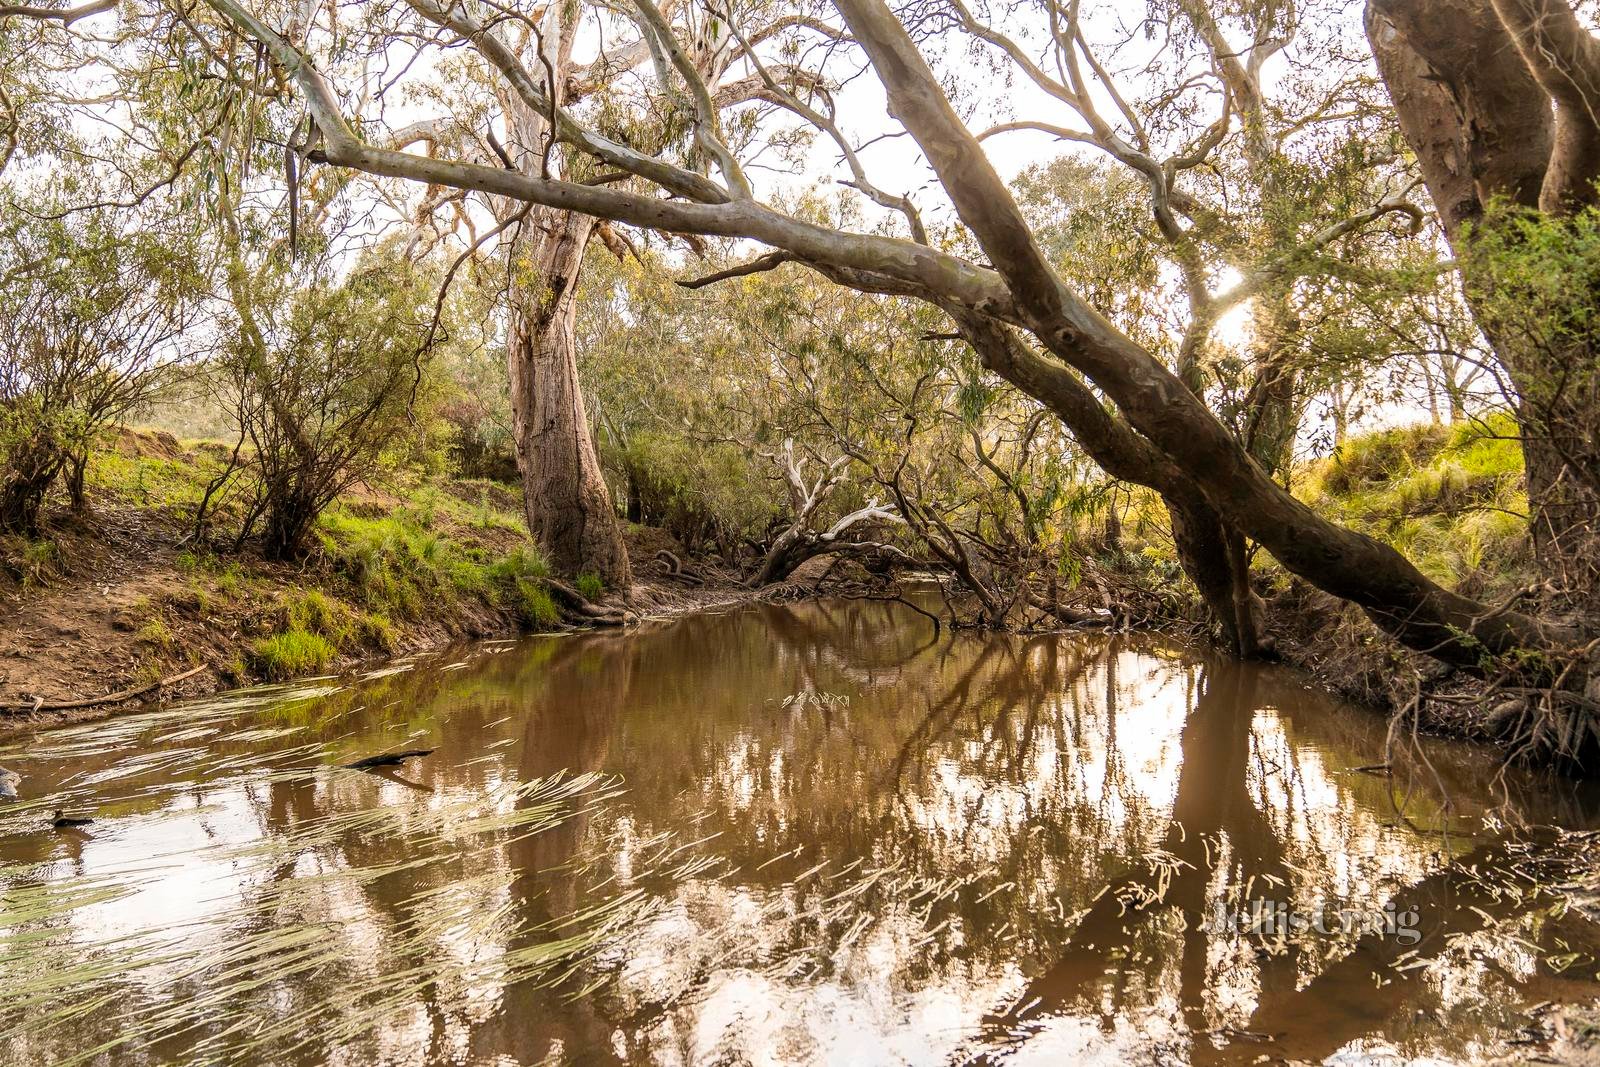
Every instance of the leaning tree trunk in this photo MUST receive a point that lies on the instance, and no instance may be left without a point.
(1209, 550)
(1212, 555)
(567, 503)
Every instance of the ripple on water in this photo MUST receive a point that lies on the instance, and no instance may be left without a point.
(804, 833)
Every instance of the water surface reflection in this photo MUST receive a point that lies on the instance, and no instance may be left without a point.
(811, 833)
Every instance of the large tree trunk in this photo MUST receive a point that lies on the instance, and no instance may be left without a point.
(1495, 98)
(1159, 407)
(564, 492)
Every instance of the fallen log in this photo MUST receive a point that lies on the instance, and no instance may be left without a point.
(109, 698)
(673, 568)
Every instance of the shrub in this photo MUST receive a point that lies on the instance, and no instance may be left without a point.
(328, 363)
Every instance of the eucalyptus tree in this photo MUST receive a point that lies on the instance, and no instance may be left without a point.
(180, 60)
(91, 310)
(39, 42)
(521, 71)
(1246, 163)
(878, 415)
(1498, 100)
(1131, 409)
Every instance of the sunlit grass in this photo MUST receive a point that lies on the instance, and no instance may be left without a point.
(1451, 498)
(292, 653)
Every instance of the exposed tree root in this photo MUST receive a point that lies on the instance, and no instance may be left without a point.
(585, 610)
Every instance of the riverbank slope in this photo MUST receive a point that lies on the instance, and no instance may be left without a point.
(121, 600)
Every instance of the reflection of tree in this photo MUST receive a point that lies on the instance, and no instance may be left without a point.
(1008, 773)
(568, 729)
(1221, 836)
(1211, 805)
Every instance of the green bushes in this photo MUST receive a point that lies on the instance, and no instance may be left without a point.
(701, 494)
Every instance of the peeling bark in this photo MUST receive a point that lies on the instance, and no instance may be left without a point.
(1499, 99)
(565, 497)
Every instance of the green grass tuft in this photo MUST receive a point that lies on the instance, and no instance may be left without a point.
(535, 604)
(156, 632)
(292, 653)
(1452, 498)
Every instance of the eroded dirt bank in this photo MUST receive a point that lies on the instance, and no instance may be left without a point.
(120, 601)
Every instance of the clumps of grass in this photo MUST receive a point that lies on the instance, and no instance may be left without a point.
(230, 583)
(199, 599)
(520, 571)
(151, 481)
(1376, 458)
(471, 505)
(376, 631)
(591, 586)
(157, 633)
(149, 671)
(398, 566)
(290, 654)
(1451, 497)
(521, 562)
(535, 604)
(236, 671)
(343, 627)
(313, 612)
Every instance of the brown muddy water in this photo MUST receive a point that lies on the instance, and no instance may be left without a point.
(783, 834)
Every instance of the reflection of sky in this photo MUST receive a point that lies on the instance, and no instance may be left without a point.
(171, 881)
(862, 882)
